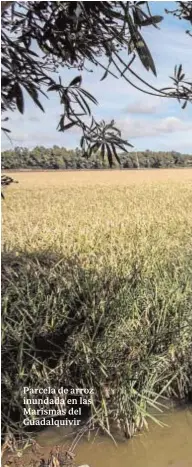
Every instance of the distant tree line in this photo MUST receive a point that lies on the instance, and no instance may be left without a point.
(61, 158)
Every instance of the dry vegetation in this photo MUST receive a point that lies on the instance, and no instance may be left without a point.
(100, 265)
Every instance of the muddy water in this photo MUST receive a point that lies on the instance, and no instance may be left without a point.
(160, 447)
(170, 446)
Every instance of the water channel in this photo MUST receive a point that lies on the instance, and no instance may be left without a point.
(170, 446)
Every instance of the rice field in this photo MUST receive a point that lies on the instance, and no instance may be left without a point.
(100, 264)
(102, 215)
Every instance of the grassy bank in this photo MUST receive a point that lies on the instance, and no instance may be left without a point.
(97, 281)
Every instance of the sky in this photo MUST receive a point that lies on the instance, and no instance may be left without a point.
(147, 122)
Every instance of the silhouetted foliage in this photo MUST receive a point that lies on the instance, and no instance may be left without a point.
(38, 37)
(6, 181)
(183, 11)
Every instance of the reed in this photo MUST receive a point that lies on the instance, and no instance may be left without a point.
(96, 293)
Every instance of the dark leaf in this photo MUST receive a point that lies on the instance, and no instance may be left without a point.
(145, 55)
(109, 155)
(87, 94)
(115, 153)
(131, 47)
(4, 81)
(86, 105)
(31, 52)
(141, 47)
(105, 75)
(34, 95)
(184, 105)
(179, 71)
(151, 20)
(106, 70)
(76, 81)
(122, 147)
(54, 87)
(138, 16)
(69, 125)
(19, 97)
(6, 129)
(103, 152)
(61, 123)
(181, 76)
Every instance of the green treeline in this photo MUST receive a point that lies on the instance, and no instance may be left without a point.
(62, 158)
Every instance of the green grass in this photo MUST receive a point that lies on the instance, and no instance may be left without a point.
(96, 290)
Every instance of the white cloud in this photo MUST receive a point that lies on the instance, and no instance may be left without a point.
(146, 106)
(135, 128)
(33, 118)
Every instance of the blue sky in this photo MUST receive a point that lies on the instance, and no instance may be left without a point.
(147, 122)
